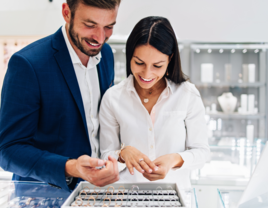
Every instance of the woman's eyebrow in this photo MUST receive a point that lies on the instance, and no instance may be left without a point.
(143, 61)
(159, 62)
(138, 58)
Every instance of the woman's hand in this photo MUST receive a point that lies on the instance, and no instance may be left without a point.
(134, 158)
(164, 163)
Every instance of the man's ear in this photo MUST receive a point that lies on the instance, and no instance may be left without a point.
(66, 12)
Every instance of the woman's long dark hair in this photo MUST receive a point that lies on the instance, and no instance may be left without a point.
(157, 32)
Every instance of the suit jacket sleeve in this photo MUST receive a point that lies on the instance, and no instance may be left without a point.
(19, 120)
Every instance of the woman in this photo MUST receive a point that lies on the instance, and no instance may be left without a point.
(155, 113)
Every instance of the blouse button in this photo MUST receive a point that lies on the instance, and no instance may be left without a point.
(150, 129)
(152, 146)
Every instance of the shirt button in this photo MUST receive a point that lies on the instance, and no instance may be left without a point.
(93, 135)
(91, 116)
(150, 129)
(152, 146)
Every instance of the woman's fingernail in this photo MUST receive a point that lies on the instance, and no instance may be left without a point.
(150, 170)
(142, 171)
(132, 173)
(156, 168)
(101, 162)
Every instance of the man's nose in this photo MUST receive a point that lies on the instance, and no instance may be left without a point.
(99, 35)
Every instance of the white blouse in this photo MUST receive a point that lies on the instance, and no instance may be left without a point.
(176, 125)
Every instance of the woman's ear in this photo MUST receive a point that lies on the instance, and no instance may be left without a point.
(171, 57)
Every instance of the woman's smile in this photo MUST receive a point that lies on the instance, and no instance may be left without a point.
(146, 80)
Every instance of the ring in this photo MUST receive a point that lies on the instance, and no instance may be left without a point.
(88, 203)
(141, 160)
(118, 205)
(106, 205)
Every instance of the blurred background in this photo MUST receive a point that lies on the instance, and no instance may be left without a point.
(223, 47)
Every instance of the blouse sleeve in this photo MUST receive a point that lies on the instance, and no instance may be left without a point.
(109, 129)
(197, 149)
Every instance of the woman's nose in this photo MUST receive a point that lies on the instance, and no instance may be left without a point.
(147, 72)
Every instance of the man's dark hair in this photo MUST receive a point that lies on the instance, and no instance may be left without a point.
(157, 32)
(102, 4)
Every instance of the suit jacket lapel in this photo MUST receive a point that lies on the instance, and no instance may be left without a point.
(65, 64)
(103, 79)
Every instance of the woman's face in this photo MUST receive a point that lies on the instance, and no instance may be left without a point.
(148, 65)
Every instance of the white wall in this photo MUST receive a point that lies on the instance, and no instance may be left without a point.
(198, 20)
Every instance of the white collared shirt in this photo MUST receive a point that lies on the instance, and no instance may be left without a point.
(88, 81)
(176, 125)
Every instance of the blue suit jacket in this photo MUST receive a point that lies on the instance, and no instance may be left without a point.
(42, 118)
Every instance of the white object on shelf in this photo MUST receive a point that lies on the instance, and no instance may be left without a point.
(213, 108)
(219, 121)
(212, 125)
(228, 72)
(244, 103)
(240, 110)
(251, 73)
(251, 102)
(245, 72)
(227, 102)
(250, 133)
(256, 110)
(207, 72)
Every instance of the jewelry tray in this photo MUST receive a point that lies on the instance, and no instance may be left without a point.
(146, 195)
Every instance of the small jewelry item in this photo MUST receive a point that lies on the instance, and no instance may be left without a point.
(117, 152)
(88, 203)
(106, 205)
(146, 100)
(141, 160)
(118, 205)
(109, 191)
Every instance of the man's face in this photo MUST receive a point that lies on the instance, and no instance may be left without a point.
(90, 28)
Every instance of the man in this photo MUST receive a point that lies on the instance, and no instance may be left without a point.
(50, 98)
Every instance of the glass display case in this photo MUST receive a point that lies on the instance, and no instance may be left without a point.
(37, 194)
(31, 194)
(230, 199)
(231, 79)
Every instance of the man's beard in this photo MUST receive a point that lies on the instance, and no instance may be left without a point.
(78, 44)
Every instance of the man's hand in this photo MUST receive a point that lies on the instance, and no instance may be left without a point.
(132, 158)
(164, 163)
(85, 167)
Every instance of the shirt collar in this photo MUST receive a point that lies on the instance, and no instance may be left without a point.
(93, 60)
(130, 85)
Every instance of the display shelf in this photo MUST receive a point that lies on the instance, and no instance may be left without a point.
(230, 46)
(232, 78)
(236, 116)
(229, 84)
